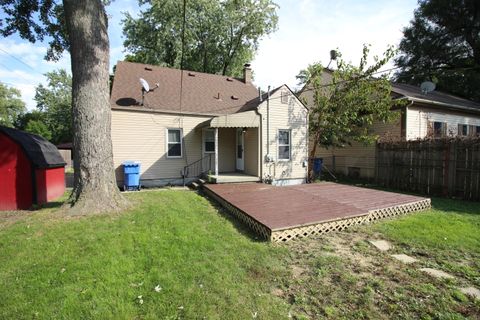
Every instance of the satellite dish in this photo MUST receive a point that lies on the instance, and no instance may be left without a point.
(333, 55)
(427, 87)
(145, 85)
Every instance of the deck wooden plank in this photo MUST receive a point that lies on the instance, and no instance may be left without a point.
(293, 206)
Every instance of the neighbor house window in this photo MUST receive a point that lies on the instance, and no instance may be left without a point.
(209, 141)
(174, 143)
(477, 131)
(439, 129)
(463, 130)
(284, 144)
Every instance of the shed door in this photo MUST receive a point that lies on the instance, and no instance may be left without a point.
(240, 150)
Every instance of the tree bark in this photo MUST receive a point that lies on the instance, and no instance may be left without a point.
(95, 189)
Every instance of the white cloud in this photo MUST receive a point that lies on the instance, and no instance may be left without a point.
(309, 29)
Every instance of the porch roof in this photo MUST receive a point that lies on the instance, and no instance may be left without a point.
(247, 119)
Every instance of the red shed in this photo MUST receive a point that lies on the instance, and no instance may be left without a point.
(32, 171)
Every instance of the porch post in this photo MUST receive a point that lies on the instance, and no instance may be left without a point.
(216, 152)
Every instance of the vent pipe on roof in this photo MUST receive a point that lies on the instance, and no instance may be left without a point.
(260, 94)
(247, 73)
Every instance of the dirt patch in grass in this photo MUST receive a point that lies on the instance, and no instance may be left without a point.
(8, 218)
(343, 276)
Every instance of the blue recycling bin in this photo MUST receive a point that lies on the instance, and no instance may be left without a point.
(131, 175)
(317, 166)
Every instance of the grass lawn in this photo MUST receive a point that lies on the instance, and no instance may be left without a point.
(206, 266)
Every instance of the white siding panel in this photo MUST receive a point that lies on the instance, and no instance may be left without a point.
(418, 117)
(358, 154)
(226, 149)
(251, 151)
(292, 116)
(140, 136)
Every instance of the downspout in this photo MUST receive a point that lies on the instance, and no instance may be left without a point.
(268, 122)
(260, 146)
(260, 137)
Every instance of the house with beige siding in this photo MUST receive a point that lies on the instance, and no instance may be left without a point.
(434, 114)
(191, 124)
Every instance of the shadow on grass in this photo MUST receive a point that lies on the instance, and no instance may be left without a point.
(239, 225)
(456, 206)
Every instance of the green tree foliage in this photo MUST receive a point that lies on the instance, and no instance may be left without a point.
(220, 36)
(345, 103)
(22, 120)
(442, 43)
(55, 101)
(40, 128)
(11, 106)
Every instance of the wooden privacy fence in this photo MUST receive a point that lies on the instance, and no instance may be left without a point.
(446, 167)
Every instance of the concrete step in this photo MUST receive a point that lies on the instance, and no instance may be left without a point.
(202, 181)
(194, 185)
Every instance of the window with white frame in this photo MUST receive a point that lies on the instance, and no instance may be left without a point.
(463, 130)
(209, 141)
(284, 144)
(174, 143)
(439, 129)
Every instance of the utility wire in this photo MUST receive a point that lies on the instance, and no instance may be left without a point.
(20, 60)
(19, 75)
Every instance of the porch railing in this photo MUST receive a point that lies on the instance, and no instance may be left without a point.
(198, 168)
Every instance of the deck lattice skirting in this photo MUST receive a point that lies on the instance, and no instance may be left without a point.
(338, 225)
(260, 229)
(288, 234)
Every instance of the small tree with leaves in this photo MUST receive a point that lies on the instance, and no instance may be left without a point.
(345, 104)
(11, 106)
(54, 100)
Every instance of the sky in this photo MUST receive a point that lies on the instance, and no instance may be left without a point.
(307, 31)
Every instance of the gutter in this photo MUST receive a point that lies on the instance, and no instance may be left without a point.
(443, 104)
(186, 113)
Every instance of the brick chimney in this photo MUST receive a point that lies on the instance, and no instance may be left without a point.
(247, 73)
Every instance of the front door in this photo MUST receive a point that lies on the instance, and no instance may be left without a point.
(240, 149)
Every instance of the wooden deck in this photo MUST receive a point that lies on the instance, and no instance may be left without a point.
(285, 213)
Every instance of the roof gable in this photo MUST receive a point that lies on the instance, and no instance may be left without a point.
(179, 91)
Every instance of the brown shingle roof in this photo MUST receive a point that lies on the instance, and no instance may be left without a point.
(410, 91)
(199, 94)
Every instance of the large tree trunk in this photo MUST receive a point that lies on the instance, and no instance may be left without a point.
(95, 189)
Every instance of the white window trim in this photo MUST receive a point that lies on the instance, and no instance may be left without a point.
(181, 143)
(460, 133)
(203, 141)
(284, 145)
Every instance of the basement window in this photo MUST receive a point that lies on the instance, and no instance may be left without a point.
(174, 143)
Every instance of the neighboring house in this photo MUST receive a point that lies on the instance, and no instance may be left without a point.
(191, 123)
(435, 115)
(65, 150)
